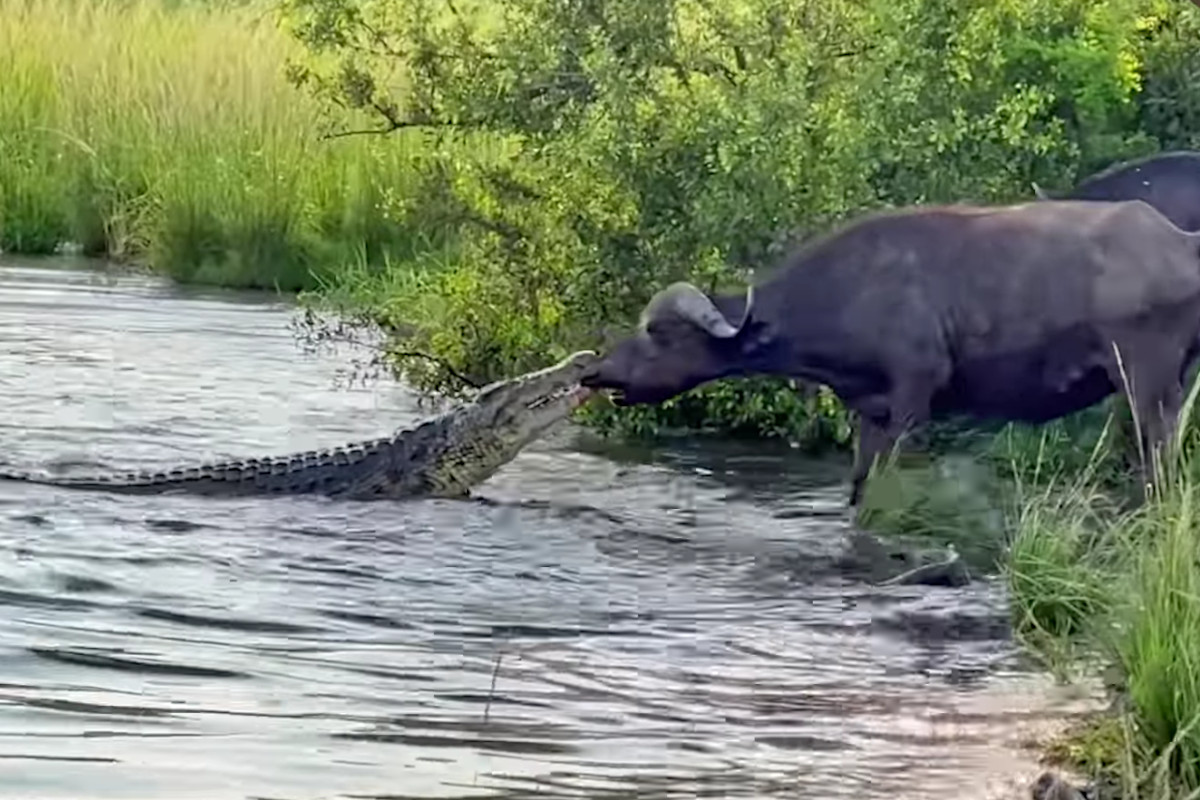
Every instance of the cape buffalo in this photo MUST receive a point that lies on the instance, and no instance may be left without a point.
(1168, 181)
(1016, 313)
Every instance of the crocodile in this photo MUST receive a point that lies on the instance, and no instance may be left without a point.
(444, 456)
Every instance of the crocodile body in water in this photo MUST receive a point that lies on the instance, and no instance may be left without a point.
(443, 457)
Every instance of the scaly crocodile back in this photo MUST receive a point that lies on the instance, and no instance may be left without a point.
(388, 466)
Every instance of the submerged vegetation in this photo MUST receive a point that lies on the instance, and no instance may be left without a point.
(490, 186)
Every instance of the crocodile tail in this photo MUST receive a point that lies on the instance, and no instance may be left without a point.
(300, 473)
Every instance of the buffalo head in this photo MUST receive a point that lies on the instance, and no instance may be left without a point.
(683, 340)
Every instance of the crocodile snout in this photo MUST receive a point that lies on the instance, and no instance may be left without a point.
(590, 379)
(586, 362)
(584, 358)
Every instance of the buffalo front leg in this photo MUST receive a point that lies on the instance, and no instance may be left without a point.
(878, 432)
(874, 437)
(883, 419)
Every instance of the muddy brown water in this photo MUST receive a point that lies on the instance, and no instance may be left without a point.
(610, 623)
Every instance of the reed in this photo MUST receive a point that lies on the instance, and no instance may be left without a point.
(170, 135)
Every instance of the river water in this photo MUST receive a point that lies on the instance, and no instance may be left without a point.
(613, 623)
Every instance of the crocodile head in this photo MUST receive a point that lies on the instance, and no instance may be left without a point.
(505, 417)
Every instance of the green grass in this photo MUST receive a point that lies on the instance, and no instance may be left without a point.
(1096, 581)
(170, 135)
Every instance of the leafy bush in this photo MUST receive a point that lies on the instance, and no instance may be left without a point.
(647, 141)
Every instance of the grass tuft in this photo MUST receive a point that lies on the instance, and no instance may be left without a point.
(1093, 576)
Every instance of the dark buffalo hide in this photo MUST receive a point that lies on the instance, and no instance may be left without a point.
(1026, 312)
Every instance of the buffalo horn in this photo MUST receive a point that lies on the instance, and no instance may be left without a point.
(692, 304)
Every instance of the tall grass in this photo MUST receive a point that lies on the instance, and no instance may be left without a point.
(1093, 577)
(169, 133)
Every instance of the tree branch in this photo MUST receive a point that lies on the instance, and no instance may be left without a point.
(388, 128)
(341, 331)
(440, 362)
(392, 123)
(868, 48)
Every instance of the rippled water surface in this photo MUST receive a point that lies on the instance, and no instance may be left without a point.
(608, 625)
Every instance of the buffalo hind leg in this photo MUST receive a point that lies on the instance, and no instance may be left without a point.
(1152, 383)
(1158, 418)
